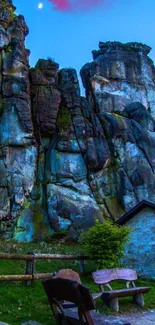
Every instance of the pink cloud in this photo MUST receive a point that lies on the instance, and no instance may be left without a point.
(61, 5)
(72, 5)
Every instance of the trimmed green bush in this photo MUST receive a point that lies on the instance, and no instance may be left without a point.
(105, 243)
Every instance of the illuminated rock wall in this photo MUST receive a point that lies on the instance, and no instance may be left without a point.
(18, 151)
(65, 159)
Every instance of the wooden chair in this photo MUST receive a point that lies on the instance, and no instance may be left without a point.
(74, 276)
(110, 297)
(60, 289)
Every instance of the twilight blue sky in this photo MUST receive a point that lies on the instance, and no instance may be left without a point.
(70, 37)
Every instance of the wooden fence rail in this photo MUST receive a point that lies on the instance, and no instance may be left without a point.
(41, 256)
(25, 277)
(30, 258)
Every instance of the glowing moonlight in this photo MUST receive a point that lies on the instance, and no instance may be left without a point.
(40, 5)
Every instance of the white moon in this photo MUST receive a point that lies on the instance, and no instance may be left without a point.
(40, 5)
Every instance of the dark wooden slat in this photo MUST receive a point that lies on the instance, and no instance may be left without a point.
(125, 292)
(96, 295)
(68, 305)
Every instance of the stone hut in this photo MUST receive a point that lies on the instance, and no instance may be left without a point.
(140, 250)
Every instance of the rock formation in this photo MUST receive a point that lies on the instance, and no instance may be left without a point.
(18, 151)
(65, 159)
(120, 85)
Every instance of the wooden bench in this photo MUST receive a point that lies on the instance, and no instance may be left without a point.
(59, 290)
(110, 297)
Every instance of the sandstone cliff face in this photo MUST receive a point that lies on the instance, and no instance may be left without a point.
(17, 145)
(66, 159)
(120, 85)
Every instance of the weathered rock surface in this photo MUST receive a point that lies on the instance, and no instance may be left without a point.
(67, 159)
(18, 152)
(120, 86)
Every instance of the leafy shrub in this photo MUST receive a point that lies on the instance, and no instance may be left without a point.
(105, 243)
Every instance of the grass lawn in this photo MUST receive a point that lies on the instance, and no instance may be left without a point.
(19, 303)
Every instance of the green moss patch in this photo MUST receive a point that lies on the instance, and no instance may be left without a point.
(41, 228)
(64, 120)
(114, 207)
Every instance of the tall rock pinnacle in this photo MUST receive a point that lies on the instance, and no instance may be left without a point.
(17, 150)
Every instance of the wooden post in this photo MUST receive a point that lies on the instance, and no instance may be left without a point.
(82, 265)
(30, 268)
(139, 299)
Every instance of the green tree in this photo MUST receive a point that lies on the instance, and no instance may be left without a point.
(105, 243)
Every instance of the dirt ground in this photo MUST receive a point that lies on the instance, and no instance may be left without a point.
(136, 318)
